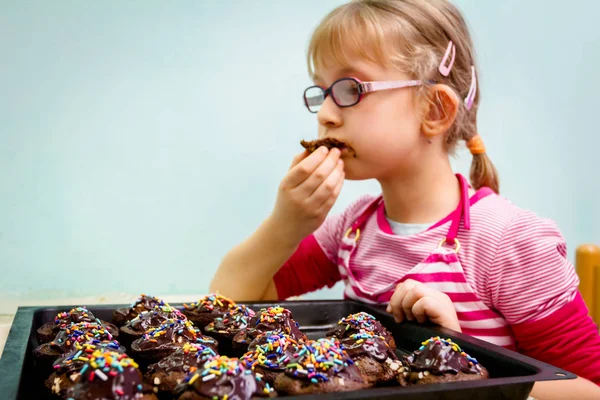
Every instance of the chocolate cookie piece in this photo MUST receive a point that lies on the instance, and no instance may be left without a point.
(376, 361)
(158, 343)
(269, 354)
(135, 328)
(143, 303)
(441, 360)
(110, 375)
(48, 331)
(272, 319)
(205, 310)
(330, 143)
(362, 321)
(166, 374)
(321, 366)
(68, 367)
(225, 328)
(224, 378)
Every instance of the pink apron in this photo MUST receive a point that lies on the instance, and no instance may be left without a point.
(441, 270)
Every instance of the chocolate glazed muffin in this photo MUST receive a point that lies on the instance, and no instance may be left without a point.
(158, 343)
(225, 328)
(71, 338)
(269, 354)
(272, 319)
(207, 309)
(67, 368)
(375, 360)
(362, 321)
(441, 360)
(110, 376)
(144, 303)
(135, 328)
(322, 366)
(47, 332)
(224, 378)
(166, 374)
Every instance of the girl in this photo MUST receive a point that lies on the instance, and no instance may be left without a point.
(396, 81)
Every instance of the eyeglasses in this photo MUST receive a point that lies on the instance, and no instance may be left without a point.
(348, 92)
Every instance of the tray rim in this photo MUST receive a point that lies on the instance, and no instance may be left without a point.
(13, 357)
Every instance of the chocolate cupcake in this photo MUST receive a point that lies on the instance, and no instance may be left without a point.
(269, 354)
(144, 303)
(322, 366)
(225, 328)
(69, 339)
(224, 378)
(48, 331)
(110, 376)
(441, 360)
(154, 318)
(166, 374)
(207, 309)
(362, 321)
(272, 319)
(158, 343)
(67, 369)
(375, 360)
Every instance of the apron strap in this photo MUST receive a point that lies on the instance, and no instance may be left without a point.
(461, 212)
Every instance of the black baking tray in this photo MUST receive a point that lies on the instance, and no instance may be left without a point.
(512, 374)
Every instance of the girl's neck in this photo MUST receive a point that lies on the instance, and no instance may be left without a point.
(425, 196)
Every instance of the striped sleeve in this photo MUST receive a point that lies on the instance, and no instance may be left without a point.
(531, 277)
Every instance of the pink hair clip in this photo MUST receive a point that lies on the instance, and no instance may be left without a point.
(443, 68)
(472, 90)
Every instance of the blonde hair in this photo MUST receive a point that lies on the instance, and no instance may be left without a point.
(411, 35)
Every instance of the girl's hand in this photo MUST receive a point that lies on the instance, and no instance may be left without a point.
(307, 192)
(415, 300)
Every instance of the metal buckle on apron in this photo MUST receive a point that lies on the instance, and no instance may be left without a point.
(349, 231)
(456, 242)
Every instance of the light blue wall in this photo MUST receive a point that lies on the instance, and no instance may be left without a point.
(140, 140)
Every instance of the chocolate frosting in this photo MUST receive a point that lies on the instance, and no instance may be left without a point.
(143, 303)
(212, 304)
(76, 359)
(233, 321)
(368, 344)
(77, 334)
(190, 356)
(238, 383)
(272, 319)
(440, 356)
(108, 375)
(331, 361)
(272, 350)
(356, 323)
(172, 333)
(154, 318)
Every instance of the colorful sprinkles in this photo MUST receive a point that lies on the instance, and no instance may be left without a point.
(64, 318)
(105, 363)
(219, 366)
(273, 353)
(448, 342)
(359, 321)
(212, 301)
(315, 359)
(150, 300)
(237, 318)
(83, 332)
(164, 309)
(178, 326)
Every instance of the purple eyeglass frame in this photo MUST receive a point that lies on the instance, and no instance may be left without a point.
(363, 89)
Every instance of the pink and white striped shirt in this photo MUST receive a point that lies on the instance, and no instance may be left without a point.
(513, 262)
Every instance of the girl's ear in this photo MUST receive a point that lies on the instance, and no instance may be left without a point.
(440, 110)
